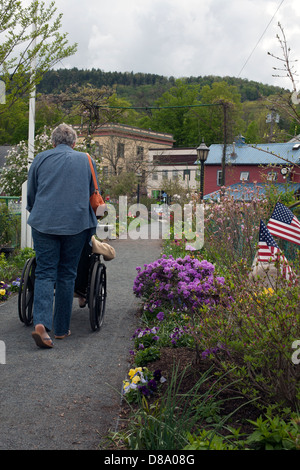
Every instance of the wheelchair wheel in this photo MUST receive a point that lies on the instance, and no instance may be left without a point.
(26, 292)
(97, 295)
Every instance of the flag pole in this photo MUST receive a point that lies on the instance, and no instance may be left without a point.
(31, 129)
(26, 238)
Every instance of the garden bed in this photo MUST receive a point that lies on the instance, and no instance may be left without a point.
(236, 409)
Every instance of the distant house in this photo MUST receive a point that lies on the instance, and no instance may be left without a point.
(261, 163)
(167, 165)
(125, 148)
(244, 163)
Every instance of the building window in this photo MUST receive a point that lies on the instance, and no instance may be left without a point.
(155, 175)
(244, 176)
(175, 174)
(140, 152)
(165, 174)
(219, 177)
(121, 150)
(272, 176)
(187, 174)
(105, 171)
(98, 151)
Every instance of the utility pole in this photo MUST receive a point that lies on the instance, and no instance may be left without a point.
(225, 106)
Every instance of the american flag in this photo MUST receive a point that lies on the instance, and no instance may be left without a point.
(284, 224)
(269, 252)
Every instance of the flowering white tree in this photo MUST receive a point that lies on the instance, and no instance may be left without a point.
(15, 169)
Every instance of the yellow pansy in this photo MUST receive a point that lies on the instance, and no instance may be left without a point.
(136, 379)
(132, 372)
(2, 292)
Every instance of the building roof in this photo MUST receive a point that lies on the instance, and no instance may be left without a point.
(259, 154)
(125, 131)
(173, 157)
(236, 154)
(246, 191)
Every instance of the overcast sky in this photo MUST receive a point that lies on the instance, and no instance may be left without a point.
(181, 38)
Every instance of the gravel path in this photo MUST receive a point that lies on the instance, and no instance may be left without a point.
(67, 398)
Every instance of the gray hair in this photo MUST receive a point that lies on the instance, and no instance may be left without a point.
(64, 134)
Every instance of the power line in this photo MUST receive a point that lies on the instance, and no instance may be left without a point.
(260, 38)
(159, 107)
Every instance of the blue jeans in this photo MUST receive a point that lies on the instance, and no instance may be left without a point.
(57, 259)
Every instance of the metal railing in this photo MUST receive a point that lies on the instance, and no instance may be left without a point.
(13, 203)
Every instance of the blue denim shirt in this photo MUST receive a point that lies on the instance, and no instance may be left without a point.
(58, 191)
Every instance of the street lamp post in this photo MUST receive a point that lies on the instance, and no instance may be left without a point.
(202, 154)
(139, 180)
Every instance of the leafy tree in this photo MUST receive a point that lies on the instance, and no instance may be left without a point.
(173, 108)
(14, 120)
(252, 133)
(14, 123)
(222, 113)
(21, 43)
(124, 184)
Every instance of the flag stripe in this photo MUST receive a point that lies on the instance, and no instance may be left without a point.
(294, 226)
(268, 251)
(279, 230)
(284, 224)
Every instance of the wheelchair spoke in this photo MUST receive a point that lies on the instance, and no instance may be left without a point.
(26, 292)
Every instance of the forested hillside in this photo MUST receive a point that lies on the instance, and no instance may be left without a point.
(144, 87)
(190, 108)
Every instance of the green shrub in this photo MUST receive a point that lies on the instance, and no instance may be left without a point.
(273, 433)
(144, 356)
(167, 423)
(9, 227)
(256, 332)
(209, 440)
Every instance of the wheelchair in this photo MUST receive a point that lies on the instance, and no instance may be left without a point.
(96, 291)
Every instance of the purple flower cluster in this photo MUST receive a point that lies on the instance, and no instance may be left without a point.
(151, 386)
(4, 291)
(213, 351)
(177, 335)
(143, 338)
(182, 282)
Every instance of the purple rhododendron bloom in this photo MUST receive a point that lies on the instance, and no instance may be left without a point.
(184, 282)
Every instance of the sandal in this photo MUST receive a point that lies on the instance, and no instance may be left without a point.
(40, 339)
(63, 336)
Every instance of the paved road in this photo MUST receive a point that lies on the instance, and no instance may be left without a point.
(67, 398)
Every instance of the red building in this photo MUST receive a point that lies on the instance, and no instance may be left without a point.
(244, 163)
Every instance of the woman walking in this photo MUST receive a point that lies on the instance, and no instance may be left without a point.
(62, 220)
